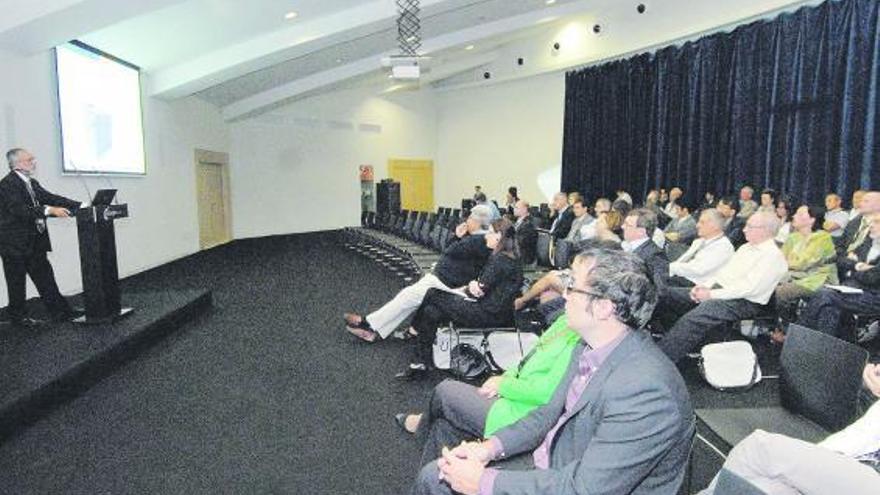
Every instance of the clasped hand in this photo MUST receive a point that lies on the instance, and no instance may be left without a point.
(57, 211)
(463, 466)
(700, 294)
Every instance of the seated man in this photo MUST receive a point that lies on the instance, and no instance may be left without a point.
(861, 271)
(845, 462)
(620, 420)
(707, 254)
(526, 234)
(739, 291)
(638, 227)
(560, 221)
(680, 231)
(460, 263)
(733, 223)
(581, 219)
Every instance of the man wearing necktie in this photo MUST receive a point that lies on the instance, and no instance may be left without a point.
(24, 238)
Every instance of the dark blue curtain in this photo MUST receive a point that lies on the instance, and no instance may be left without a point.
(790, 104)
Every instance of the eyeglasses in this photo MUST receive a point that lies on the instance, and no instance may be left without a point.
(571, 289)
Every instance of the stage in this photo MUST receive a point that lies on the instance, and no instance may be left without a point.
(47, 366)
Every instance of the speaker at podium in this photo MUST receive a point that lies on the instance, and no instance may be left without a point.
(97, 253)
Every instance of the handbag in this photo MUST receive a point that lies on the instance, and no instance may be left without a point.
(466, 362)
(730, 365)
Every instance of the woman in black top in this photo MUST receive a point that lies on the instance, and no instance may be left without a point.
(485, 302)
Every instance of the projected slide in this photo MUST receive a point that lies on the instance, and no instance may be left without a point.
(100, 108)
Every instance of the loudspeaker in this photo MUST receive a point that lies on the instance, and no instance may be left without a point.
(387, 197)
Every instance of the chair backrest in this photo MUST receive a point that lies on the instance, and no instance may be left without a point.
(730, 483)
(545, 243)
(821, 376)
(561, 253)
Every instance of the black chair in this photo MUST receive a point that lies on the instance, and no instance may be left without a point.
(729, 483)
(819, 384)
(544, 248)
(561, 253)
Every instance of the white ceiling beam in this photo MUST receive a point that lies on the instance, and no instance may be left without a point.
(255, 103)
(264, 51)
(31, 26)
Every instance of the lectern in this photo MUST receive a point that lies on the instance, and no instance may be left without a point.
(97, 253)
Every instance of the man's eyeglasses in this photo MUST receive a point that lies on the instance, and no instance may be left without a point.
(571, 289)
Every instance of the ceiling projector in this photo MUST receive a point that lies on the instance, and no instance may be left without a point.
(402, 66)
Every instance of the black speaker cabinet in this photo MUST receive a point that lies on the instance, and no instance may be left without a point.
(387, 197)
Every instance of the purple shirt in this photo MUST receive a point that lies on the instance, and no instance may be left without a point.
(588, 364)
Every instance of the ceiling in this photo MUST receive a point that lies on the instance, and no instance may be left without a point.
(247, 57)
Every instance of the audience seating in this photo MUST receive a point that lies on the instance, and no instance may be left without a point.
(818, 395)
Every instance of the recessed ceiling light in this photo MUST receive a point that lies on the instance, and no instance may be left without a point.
(338, 60)
(290, 15)
(469, 47)
(550, 2)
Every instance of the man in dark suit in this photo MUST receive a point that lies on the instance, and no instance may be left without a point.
(620, 420)
(24, 238)
(733, 223)
(526, 234)
(562, 217)
(638, 229)
(856, 231)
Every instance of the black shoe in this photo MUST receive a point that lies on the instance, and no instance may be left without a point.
(25, 322)
(413, 372)
(67, 316)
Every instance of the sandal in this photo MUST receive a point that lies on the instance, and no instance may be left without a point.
(365, 334)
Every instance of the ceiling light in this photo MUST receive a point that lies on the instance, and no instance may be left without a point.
(469, 47)
(550, 2)
(290, 15)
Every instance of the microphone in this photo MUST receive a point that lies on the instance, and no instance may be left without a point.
(82, 181)
(109, 183)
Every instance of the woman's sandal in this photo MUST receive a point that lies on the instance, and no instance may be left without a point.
(359, 327)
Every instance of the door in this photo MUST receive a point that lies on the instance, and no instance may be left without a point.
(416, 179)
(212, 185)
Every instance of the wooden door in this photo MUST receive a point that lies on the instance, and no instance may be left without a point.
(212, 195)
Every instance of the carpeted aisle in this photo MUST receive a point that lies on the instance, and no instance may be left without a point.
(265, 394)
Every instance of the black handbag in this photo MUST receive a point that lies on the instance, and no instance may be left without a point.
(466, 362)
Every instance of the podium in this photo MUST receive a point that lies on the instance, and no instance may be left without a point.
(97, 254)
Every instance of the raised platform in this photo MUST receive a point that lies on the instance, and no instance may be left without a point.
(48, 366)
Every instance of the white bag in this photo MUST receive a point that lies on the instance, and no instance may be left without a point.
(446, 340)
(730, 365)
(504, 347)
(508, 348)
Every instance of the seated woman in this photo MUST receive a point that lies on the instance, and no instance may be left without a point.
(826, 308)
(487, 301)
(811, 258)
(503, 399)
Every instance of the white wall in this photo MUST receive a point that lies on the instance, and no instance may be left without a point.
(499, 136)
(163, 224)
(296, 169)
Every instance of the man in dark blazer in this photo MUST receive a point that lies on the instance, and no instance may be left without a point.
(728, 206)
(619, 422)
(560, 222)
(856, 231)
(24, 238)
(638, 231)
(526, 233)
